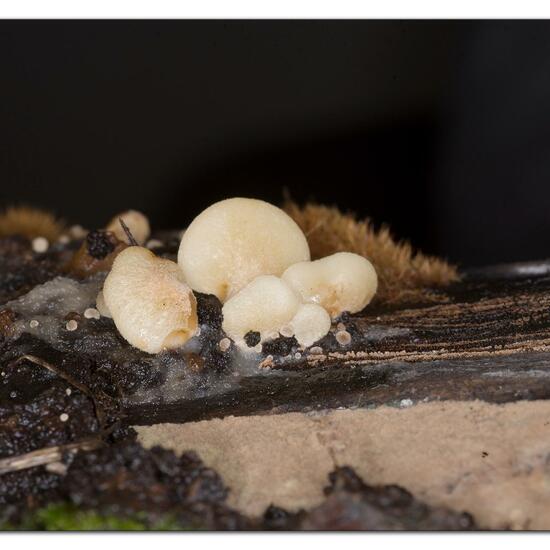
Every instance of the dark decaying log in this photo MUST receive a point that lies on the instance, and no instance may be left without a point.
(488, 338)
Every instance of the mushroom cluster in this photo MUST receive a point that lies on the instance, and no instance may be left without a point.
(254, 258)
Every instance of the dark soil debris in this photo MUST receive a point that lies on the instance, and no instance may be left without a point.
(21, 269)
(352, 505)
(209, 311)
(280, 347)
(252, 338)
(99, 244)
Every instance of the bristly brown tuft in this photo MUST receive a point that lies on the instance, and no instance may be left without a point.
(30, 222)
(403, 274)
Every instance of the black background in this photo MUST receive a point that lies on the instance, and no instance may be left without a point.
(439, 128)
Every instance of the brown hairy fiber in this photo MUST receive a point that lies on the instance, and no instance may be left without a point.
(404, 275)
(30, 222)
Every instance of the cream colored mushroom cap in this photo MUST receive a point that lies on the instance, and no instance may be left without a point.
(236, 240)
(341, 282)
(152, 307)
(264, 305)
(310, 324)
(137, 223)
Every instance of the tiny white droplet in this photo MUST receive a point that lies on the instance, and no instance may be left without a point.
(40, 244)
(343, 337)
(63, 417)
(92, 313)
(78, 232)
(154, 243)
(225, 344)
(68, 391)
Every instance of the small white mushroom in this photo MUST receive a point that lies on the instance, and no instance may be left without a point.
(151, 305)
(77, 232)
(224, 344)
(343, 337)
(264, 305)
(310, 324)
(236, 240)
(341, 282)
(91, 313)
(137, 223)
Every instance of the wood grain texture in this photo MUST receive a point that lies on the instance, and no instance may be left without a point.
(488, 338)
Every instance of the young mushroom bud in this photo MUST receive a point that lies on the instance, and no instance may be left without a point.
(137, 223)
(236, 240)
(341, 282)
(152, 307)
(310, 324)
(264, 305)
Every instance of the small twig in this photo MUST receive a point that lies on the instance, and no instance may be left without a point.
(126, 229)
(45, 456)
(42, 363)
